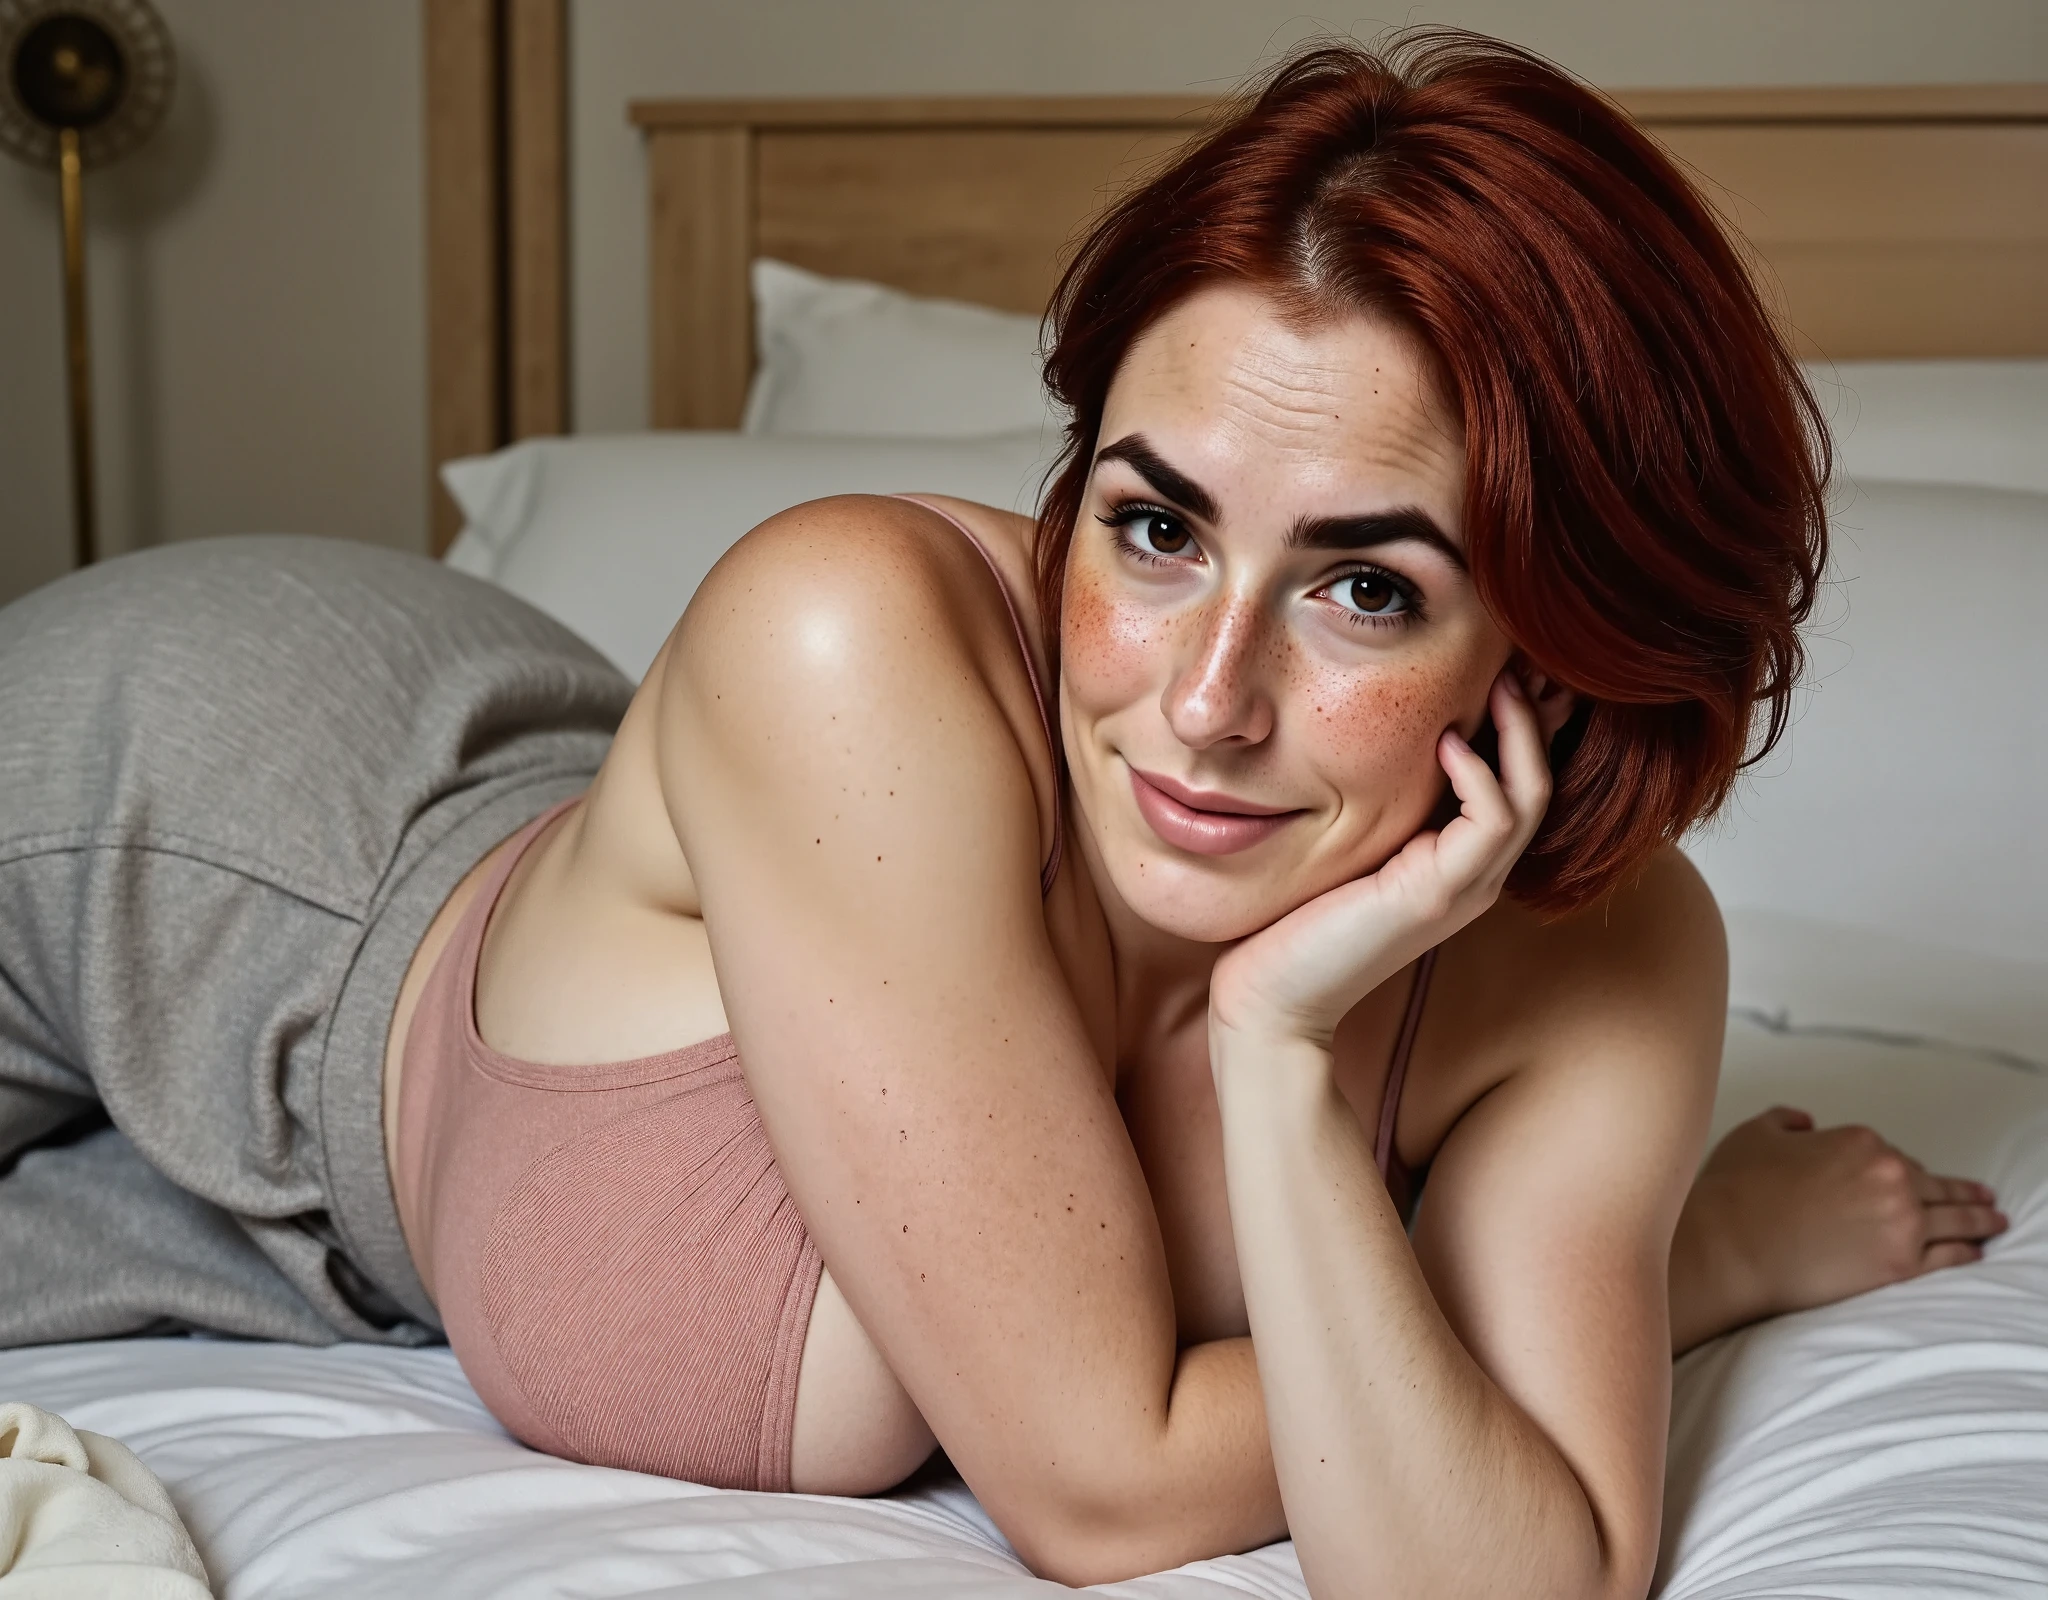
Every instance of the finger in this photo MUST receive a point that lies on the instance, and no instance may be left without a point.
(1480, 800)
(1946, 1223)
(1949, 1253)
(1790, 1118)
(1524, 756)
(1479, 841)
(1935, 1189)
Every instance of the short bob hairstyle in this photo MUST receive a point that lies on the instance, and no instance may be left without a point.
(1645, 467)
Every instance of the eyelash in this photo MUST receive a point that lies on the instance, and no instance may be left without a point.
(1119, 520)
(1120, 516)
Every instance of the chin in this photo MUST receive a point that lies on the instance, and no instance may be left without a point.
(1202, 907)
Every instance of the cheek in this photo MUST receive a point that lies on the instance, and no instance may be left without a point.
(1380, 733)
(1107, 643)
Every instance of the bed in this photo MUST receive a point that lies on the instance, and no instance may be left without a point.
(1893, 1445)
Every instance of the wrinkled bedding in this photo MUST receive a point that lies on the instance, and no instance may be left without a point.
(1895, 1445)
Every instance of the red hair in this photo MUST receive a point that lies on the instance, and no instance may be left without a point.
(1645, 466)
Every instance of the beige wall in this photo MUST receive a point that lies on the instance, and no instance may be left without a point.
(257, 298)
(258, 285)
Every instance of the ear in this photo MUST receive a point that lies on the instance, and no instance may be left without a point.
(1554, 703)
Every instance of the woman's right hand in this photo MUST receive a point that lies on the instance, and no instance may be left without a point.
(1298, 978)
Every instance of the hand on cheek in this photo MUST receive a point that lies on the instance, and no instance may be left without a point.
(1299, 976)
(1499, 804)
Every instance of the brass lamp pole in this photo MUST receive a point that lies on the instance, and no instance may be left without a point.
(77, 347)
(86, 82)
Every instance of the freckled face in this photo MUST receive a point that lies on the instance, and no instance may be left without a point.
(1266, 612)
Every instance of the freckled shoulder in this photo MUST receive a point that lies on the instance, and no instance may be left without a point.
(860, 618)
(865, 555)
(1008, 540)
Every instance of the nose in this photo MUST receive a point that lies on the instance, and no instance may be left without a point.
(1216, 694)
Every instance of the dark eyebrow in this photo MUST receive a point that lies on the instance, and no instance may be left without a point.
(1136, 452)
(1374, 528)
(1360, 532)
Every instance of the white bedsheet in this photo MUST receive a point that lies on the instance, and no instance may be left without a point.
(358, 1471)
(1895, 1445)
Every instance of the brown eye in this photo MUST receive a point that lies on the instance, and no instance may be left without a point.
(1371, 594)
(1158, 534)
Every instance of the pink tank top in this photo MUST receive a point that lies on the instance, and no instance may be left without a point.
(617, 1263)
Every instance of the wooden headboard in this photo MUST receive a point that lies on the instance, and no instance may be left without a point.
(1890, 222)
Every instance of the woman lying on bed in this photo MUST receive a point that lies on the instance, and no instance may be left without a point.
(1115, 915)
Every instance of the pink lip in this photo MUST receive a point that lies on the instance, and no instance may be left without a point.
(1201, 823)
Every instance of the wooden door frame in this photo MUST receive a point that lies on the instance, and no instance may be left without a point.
(496, 93)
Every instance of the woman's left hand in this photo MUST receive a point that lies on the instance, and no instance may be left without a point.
(1784, 1217)
(1298, 978)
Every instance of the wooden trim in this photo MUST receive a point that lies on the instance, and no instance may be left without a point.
(497, 232)
(1888, 103)
(700, 234)
(464, 368)
(928, 111)
(1963, 102)
(536, 194)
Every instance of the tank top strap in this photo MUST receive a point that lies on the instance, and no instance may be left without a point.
(1384, 1154)
(466, 941)
(1051, 869)
(469, 926)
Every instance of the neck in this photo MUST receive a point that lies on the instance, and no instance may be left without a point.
(1162, 981)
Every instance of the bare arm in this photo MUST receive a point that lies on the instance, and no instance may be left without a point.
(843, 756)
(1484, 1414)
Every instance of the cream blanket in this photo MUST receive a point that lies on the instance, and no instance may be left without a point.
(82, 1519)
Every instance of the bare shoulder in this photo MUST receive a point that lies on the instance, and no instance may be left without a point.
(846, 639)
(1626, 998)
(832, 600)
(857, 572)
(1654, 944)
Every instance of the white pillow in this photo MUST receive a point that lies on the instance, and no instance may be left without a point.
(1907, 796)
(835, 355)
(1793, 975)
(612, 535)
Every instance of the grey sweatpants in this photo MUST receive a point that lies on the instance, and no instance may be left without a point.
(237, 779)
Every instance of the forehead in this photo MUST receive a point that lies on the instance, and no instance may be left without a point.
(1345, 409)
